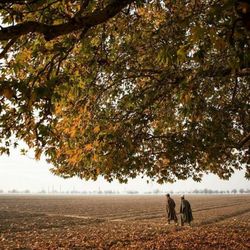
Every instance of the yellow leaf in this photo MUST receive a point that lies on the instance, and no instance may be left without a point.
(97, 129)
(25, 55)
(166, 161)
(38, 153)
(181, 52)
(88, 147)
(95, 158)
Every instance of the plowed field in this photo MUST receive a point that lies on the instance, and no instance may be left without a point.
(122, 222)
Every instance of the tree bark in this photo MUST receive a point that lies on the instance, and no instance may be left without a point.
(52, 31)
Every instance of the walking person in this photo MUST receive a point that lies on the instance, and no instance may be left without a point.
(170, 209)
(186, 211)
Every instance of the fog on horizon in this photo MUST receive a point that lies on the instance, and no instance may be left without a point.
(23, 173)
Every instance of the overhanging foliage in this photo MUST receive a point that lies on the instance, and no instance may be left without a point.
(122, 88)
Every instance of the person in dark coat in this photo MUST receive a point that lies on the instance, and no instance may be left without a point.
(186, 212)
(170, 209)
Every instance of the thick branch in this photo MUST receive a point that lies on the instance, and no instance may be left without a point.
(22, 29)
(52, 31)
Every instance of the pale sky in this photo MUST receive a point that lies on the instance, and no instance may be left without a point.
(22, 172)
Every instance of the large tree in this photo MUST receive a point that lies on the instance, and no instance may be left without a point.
(120, 88)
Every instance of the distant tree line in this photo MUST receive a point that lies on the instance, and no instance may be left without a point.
(210, 191)
(129, 192)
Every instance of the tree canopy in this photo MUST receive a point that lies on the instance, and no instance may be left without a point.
(121, 88)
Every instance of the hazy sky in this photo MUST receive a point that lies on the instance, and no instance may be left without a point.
(21, 172)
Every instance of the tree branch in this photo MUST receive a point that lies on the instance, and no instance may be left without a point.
(84, 5)
(52, 31)
(244, 141)
(5, 50)
(3, 2)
